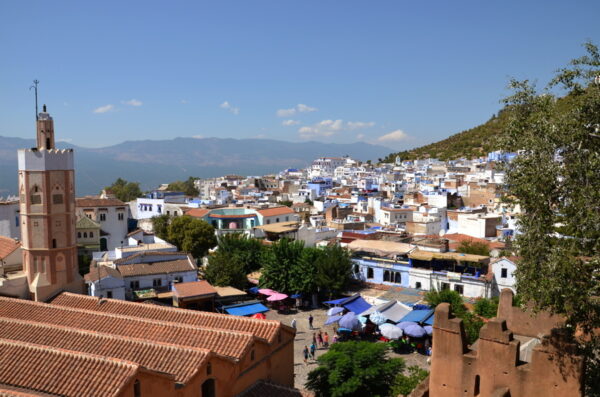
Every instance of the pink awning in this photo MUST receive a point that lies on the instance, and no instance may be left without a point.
(277, 297)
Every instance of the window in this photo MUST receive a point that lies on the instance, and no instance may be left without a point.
(208, 369)
(476, 390)
(386, 275)
(36, 199)
(134, 284)
(277, 220)
(157, 282)
(398, 278)
(91, 234)
(459, 288)
(418, 285)
(356, 269)
(369, 272)
(268, 221)
(252, 355)
(445, 286)
(84, 234)
(78, 234)
(120, 216)
(287, 218)
(57, 199)
(504, 273)
(35, 224)
(109, 294)
(53, 243)
(179, 279)
(102, 217)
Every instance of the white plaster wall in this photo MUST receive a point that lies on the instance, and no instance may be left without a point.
(8, 215)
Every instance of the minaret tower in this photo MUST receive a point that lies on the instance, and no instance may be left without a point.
(47, 199)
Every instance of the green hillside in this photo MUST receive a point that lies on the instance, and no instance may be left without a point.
(472, 143)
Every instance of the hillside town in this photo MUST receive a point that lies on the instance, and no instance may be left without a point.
(87, 282)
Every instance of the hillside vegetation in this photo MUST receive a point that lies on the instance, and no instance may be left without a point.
(472, 143)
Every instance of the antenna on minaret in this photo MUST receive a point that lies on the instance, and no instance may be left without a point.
(35, 87)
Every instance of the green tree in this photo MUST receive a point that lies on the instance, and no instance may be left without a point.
(279, 264)
(355, 369)
(125, 191)
(473, 247)
(160, 225)
(249, 250)
(405, 384)
(434, 298)
(225, 269)
(191, 235)
(334, 269)
(187, 186)
(485, 307)
(556, 182)
(287, 203)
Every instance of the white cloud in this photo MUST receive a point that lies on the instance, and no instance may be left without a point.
(231, 109)
(288, 123)
(397, 135)
(330, 127)
(357, 125)
(132, 102)
(104, 109)
(299, 108)
(360, 137)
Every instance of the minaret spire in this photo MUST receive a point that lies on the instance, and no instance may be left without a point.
(35, 87)
(45, 130)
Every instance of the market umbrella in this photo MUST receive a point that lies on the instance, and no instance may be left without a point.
(333, 319)
(390, 331)
(260, 316)
(415, 331)
(276, 297)
(344, 330)
(350, 321)
(335, 310)
(266, 291)
(428, 329)
(405, 324)
(377, 318)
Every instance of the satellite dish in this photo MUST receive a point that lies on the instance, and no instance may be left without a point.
(442, 233)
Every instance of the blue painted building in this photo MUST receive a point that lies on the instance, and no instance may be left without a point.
(382, 271)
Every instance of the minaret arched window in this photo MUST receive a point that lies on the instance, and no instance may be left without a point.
(53, 243)
(58, 195)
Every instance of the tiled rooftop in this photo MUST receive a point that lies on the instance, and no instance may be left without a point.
(164, 267)
(62, 372)
(264, 329)
(7, 246)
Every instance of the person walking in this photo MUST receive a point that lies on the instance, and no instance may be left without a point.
(319, 340)
(335, 337)
(312, 350)
(325, 340)
(293, 323)
(305, 353)
(314, 340)
(310, 321)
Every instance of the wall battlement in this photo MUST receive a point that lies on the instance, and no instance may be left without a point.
(494, 368)
(45, 160)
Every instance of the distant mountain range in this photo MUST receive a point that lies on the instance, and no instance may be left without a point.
(154, 162)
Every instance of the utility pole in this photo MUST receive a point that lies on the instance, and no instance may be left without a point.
(35, 87)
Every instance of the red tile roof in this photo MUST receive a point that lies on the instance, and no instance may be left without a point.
(8, 246)
(98, 202)
(276, 211)
(264, 329)
(165, 267)
(98, 272)
(62, 372)
(181, 362)
(194, 288)
(197, 212)
(223, 342)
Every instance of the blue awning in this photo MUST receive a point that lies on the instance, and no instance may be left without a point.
(246, 309)
(429, 321)
(336, 301)
(417, 316)
(357, 305)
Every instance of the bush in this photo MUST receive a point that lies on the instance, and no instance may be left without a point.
(405, 384)
(487, 308)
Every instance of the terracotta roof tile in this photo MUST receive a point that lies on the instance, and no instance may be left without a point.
(276, 211)
(98, 272)
(7, 246)
(62, 372)
(98, 202)
(181, 362)
(197, 212)
(225, 343)
(165, 267)
(264, 329)
(194, 288)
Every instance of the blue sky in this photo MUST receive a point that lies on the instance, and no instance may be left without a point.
(395, 73)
